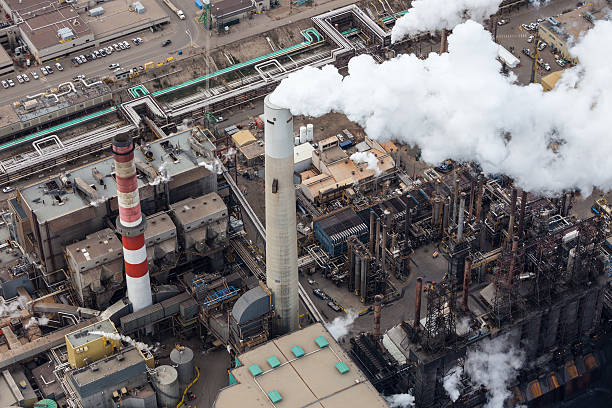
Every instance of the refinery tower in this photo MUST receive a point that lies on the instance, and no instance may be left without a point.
(281, 235)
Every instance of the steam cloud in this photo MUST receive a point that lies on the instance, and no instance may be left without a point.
(127, 339)
(495, 363)
(13, 308)
(458, 105)
(400, 400)
(451, 383)
(433, 15)
(40, 321)
(339, 327)
(367, 157)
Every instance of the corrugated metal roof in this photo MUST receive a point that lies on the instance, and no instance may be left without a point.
(243, 138)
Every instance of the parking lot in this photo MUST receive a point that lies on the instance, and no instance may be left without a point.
(514, 37)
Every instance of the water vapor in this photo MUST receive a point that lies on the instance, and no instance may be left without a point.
(369, 158)
(340, 326)
(451, 383)
(459, 105)
(116, 336)
(400, 400)
(494, 363)
(40, 321)
(14, 307)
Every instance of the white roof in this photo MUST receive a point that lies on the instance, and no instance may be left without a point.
(507, 57)
(302, 152)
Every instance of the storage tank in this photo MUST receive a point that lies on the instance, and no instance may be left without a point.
(303, 134)
(309, 132)
(183, 361)
(166, 386)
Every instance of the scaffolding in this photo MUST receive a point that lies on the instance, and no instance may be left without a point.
(440, 319)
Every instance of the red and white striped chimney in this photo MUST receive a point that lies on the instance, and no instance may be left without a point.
(131, 224)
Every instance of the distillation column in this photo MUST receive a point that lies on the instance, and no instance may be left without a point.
(281, 234)
(131, 224)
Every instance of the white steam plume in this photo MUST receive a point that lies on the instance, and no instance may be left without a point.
(432, 15)
(367, 157)
(96, 203)
(127, 339)
(400, 400)
(494, 364)
(458, 105)
(40, 321)
(451, 383)
(13, 308)
(339, 327)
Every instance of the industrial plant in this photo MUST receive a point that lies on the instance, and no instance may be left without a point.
(210, 244)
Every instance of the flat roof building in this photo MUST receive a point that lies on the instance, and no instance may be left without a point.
(304, 368)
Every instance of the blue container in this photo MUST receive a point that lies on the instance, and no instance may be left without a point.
(198, 4)
(180, 52)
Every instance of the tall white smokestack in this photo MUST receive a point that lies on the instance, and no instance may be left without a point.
(281, 235)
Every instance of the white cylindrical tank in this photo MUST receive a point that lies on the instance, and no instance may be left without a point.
(297, 140)
(309, 132)
(183, 361)
(302, 134)
(281, 234)
(166, 386)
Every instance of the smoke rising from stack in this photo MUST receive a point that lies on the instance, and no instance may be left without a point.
(400, 400)
(451, 383)
(340, 326)
(127, 339)
(369, 158)
(494, 364)
(546, 142)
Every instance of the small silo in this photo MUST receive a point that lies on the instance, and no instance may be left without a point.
(309, 132)
(303, 137)
(166, 386)
(182, 359)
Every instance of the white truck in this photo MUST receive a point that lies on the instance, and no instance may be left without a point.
(175, 10)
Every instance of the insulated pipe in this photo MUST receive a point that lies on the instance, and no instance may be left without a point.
(455, 194)
(383, 254)
(522, 214)
(479, 198)
(377, 308)
(371, 232)
(512, 215)
(417, 303)
(377, 239)
(445, 214)
(515, 241)
(461, 217)
(471, 205)
(131, 224)
(467, 277)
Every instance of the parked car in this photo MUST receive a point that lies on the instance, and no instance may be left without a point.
(116, 47)
(83, 59)
(542, 45)
(20, 79)
(333, 306)
(530, 39)
(92, 56)
(8, 189)
(525, 27)
(166, 42)
(25, 77)
(5, 84)
(34, 75)
(126, 44)
(44, 71)
(59, 66)
(49, 69)
(547, 67)
(11, 83)
(102, 52)
(502, 22)
(113, 66)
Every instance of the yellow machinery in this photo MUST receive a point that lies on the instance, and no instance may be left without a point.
(86, 345)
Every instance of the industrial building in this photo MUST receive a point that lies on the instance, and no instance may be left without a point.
(56, 29)
(306, 367)
(558, 32)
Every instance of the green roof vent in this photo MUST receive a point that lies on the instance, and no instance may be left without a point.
(255, 370)
(321, 342)
(297, 351)
(342, 367)
(275, 396)
(273, 361)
